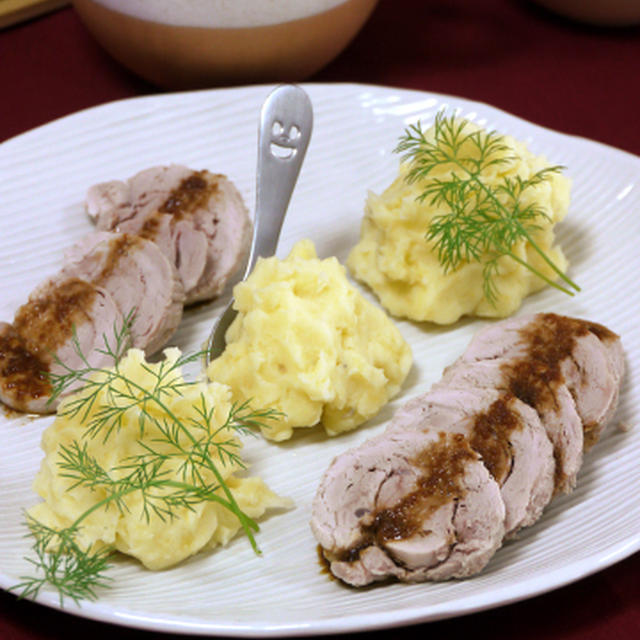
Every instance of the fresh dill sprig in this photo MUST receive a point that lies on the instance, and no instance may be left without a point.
(75, 572)
(483, 223)
(173, 471)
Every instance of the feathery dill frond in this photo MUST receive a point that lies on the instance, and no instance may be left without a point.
(482, 223)
(179, 464)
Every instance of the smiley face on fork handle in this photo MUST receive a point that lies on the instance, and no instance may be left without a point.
(284, 141)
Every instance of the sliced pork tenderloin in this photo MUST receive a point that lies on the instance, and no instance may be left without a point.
(513, 401)
(589, 377)
(139, 278)
(615, 357)
(63, 318)
(506, 433)
(583, 355)
(568, 369)
(552, 402)
(412, 505)
(197, 218)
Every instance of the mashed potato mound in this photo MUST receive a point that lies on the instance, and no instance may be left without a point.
(157, 543)
(307, 343)
(396, 261)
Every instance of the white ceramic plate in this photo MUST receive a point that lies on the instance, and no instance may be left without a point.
(44, 175)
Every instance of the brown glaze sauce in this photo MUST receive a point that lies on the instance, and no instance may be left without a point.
(442, 463)
(149, 228)
(119, 247)
(549, 342)
(490, 437)
(535, 377)
(325, 565)
(40, 327)
(193, 193)
(23, 374)
(599, 331)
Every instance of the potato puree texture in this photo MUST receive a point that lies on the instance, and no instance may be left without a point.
(157, 544)
(396, 261)
(308, 343)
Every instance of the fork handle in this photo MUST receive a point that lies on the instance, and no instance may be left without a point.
(286, 121)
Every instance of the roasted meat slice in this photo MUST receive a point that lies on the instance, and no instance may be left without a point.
(63, 318)
(197, 218)
(410, 504)
(549, 350)
(139, 278)
(553, 403)
(506, 433)
(523, 402)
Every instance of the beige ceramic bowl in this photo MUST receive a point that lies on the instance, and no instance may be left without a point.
(199, 43)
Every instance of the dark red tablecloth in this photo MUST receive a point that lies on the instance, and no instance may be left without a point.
(573, 78)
